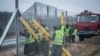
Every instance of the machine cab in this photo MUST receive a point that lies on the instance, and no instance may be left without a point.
(88, 21)
(87, 24)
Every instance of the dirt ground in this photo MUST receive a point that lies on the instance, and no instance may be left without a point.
(89, 47)
(8, 52)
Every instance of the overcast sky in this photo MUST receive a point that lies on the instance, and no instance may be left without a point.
(69, 5)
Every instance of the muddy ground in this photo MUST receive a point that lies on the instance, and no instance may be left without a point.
(89, 47)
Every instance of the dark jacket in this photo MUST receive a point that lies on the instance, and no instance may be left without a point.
(25, 33)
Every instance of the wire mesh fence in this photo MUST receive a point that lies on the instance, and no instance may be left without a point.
(48, 15)
(43, 13)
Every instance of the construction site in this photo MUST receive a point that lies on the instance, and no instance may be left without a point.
(45, 30)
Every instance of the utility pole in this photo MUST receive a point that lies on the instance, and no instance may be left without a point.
(17, 27)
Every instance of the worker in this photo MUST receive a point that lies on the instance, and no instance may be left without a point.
(74, 34)
(37, 48)
(73, 31)
(29, 43)
(38, 45)
(45, 44)
(68, 34)
(57, 42)
(45, 27)
(40, 38)
(63, 28)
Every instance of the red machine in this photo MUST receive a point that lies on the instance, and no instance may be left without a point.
(88, 24)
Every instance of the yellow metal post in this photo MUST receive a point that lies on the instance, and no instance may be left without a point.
(46, 34)
(28, 28)
(62, 18)
(34, 23)
(66, 52)
(40, 29)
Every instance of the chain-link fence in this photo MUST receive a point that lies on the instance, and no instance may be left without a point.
(45, 14)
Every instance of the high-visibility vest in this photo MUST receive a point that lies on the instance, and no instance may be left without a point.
(67, 31)
(58, 37)
(63, 28)
(40, 36)
(29, 39)
(75, 32)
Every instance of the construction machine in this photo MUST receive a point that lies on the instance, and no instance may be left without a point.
(88, 24)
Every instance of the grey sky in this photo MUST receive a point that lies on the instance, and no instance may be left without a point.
(69, 5)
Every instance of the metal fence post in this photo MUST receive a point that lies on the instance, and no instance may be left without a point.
(35, 10)
(17, 28)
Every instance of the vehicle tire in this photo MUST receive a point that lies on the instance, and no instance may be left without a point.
(81, 38)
